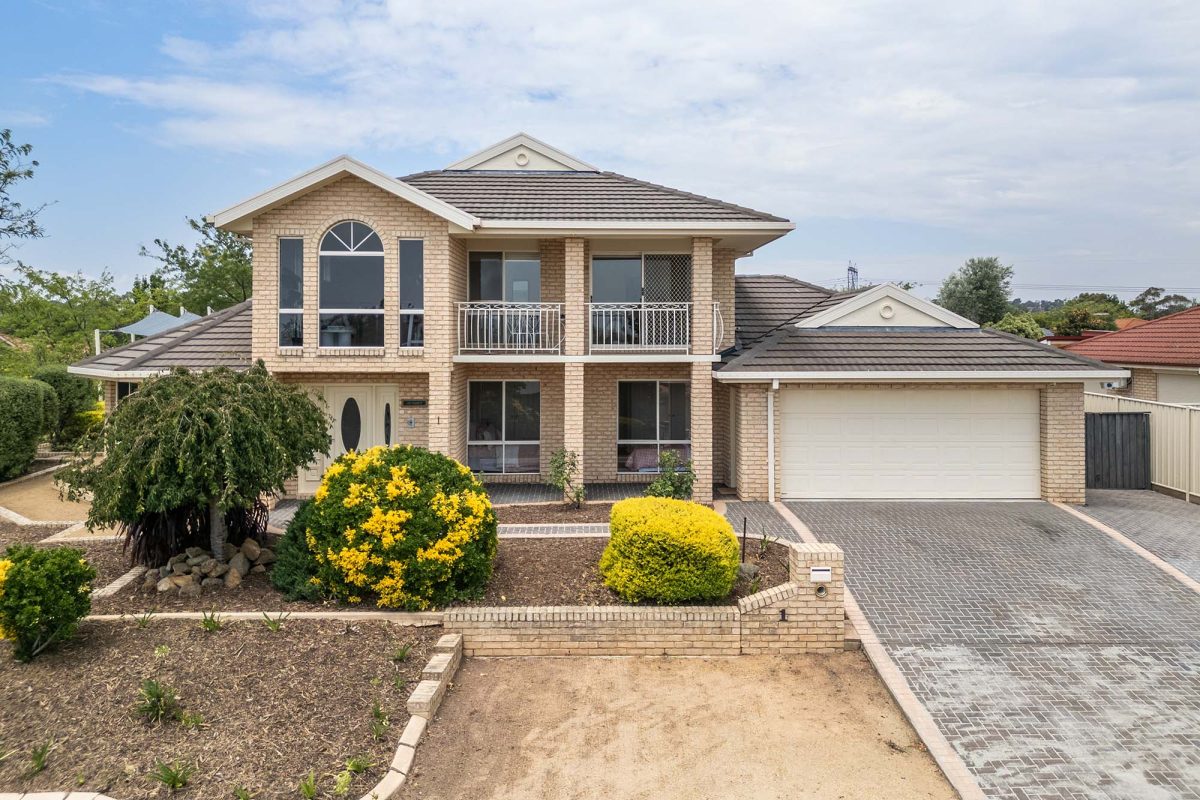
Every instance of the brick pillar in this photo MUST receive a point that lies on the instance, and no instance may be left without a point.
(702, 439)
(573, 414)
(702, 296)
(751, 404)
(1062, 443)
(441, 412)
(575, 300)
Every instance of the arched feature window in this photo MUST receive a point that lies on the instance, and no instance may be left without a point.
(351, 288)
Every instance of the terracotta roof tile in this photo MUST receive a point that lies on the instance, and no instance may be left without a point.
(1170, 341)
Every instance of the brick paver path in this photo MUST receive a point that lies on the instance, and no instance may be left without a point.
(760, 517)
(1167, 527)
(1057, 662)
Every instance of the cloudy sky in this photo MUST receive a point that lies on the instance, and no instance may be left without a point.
(1062, 137)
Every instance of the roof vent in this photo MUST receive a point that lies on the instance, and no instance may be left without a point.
(522, 158)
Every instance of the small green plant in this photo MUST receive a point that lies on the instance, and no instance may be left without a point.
(43, 595)
(341, 783)
(143, 620)
(358, 764)
(399, 682)
(174, 776)
(274, 624)
(308, 786)
(191, 720)
(755, 583)
(673, 479)
(242, 793)
(564, 476)
(400, 654)
(158, 702)
(162, 651)
(38, 758)
(210, 621)
(379, 721)
(764, 544)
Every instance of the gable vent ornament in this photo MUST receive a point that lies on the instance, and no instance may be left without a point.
(522, 158)
(887, 311)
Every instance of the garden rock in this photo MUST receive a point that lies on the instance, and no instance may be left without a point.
(251, 549)
(229, 550)
(190, 589)
(220, 569)
(747, 571)
(181, 580)
(192, 552)
(240, 564)
(179, 568)
(165, 585)
(212, 583)
(208, 565)
(257, 568)
(233, 579)
(267, 556)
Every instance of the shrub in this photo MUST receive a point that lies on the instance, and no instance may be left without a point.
(48, 401)
(43, 595)
(76, 395)
(564, 476)
(412, 527)
(673, 480)
(669, 551)
(295, 568)
(22, 424)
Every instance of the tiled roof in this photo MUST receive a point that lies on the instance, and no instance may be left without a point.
(902, 350)
(221, 339)
(1170, 341)
(590, 196)
(766, 303)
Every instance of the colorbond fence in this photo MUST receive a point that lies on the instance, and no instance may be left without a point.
(1174, 440)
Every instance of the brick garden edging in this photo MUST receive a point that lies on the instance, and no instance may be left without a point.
(54, 796)
(422, 703)
(785, 619)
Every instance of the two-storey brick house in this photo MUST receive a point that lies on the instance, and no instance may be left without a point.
(521, 301)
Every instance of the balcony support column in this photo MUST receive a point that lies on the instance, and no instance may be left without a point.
(702, 296)
(702, 437)
(576, 297)
(573, 413)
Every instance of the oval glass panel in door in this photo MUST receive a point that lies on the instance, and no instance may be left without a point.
(387, 424)
(351, 424)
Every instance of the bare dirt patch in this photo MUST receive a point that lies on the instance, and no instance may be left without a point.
(566, 572)
(672, 729)
(553, 514)
(38, 499)
(11, 533)
(274, 706)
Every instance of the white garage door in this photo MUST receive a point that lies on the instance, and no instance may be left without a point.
(909, 443)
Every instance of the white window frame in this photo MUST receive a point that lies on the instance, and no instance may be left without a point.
(641, 257)
(502, 441)
(363, 311)
(290, 311)
(505, 255)
(657, 425)
(405, 312)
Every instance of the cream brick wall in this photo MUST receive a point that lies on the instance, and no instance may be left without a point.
(1061, 440)
(577, 294)
(808, 624)
(723, 293)
(1062, 443)
(552, 405)
(554, 269)
(702, 436)
(702, 295)
(1143, 385)
(600, 414)
(721, 433)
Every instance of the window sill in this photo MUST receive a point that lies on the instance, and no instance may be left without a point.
(351, 351)
(291, 351)
(410, 351)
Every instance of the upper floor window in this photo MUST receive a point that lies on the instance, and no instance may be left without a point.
(412, 293)
(505, 277)
(351, 287)
(291, 292)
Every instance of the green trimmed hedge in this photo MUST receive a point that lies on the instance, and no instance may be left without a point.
(30, 411)
(76, 395)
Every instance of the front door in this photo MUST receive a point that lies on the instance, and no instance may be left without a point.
(361, 417)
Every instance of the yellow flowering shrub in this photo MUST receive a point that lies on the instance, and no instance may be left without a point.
(401, 526)
(669, 551)
(43, 595)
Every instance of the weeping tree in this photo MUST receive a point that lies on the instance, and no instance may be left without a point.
(185, 459)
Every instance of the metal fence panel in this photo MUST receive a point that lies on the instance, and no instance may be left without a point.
(1118, 450)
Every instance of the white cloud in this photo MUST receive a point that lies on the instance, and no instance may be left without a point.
(1062, 117)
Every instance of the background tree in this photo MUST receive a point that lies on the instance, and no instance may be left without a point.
(215, 272)
(1075, 320)
(1152, 303)
(76, 395)
(1021, 325)
(979, 290)
(16, 221)
(54, 314)
(189, 452)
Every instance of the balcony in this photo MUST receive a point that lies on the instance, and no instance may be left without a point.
(647, 327)
(487, 327)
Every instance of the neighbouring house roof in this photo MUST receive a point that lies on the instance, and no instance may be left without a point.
(1173, 341)
(911, 353)
(559, 195)
(221, 339)
(766, 303)
(157, 322)
(1125, 323)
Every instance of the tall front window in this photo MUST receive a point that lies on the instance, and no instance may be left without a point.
(505, 277)
(412, 293)
(652, 416)
(351, 287)
(291, 292)
(504, 426)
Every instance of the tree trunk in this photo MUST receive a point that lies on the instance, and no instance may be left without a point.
(217, 532)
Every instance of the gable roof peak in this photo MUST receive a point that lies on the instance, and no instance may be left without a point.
(523, 153)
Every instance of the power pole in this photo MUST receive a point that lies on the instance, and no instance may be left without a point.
(851, 276)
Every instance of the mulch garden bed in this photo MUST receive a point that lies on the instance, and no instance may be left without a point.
(106, 558)
(566, 572)
(553, 513)
(272, 706)
(11, 533)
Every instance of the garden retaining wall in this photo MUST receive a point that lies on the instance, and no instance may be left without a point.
(789, 618)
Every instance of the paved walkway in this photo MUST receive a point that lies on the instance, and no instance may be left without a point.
(757, 518)
(1058, 663)
(1167, 527)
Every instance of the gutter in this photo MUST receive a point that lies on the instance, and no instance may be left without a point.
(920, 376)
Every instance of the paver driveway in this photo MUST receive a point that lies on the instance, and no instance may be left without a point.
(1057, 662)
(1167, 527)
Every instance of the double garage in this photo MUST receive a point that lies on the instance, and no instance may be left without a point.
(900, 442)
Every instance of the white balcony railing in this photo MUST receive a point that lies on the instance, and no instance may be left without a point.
(655, 327)
(510, 327)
